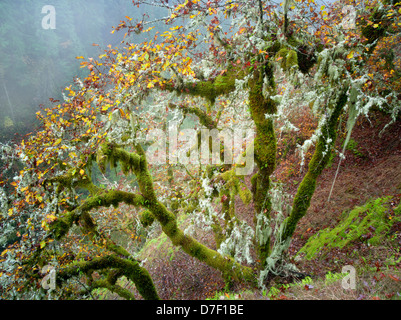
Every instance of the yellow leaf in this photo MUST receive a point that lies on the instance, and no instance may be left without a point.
(51, 217)
(150, 85)
(82, 172)
(58, 141)
(42, 244)
(350, 55)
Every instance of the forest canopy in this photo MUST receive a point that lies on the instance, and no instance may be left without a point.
(173, 134)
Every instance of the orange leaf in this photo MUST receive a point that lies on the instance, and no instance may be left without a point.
(350, 55)
(394, 277)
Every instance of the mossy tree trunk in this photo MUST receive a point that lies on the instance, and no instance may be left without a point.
(320, 159)
(264, 148)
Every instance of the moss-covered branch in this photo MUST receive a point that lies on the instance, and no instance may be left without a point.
(319, 160)
(169, 225)
(264, 145)
(113, 197)
(204, 118)
(129, 268)
(210, 89)
(122, 292)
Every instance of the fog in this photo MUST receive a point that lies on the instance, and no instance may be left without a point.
(40, 41)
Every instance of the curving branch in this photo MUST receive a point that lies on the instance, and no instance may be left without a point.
(227, 265)
(209, 89)
(129, 268)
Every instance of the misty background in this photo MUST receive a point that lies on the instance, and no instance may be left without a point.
(38, 63)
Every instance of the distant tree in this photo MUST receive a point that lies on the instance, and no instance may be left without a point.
(232, 67)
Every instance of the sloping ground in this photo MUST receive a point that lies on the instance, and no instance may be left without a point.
(372, 169)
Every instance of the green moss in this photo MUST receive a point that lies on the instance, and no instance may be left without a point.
(292, 59)
(397, 211)
(288, 58)
(211, 89)
(60, 228)
(265, 146)
(130, 268)
(319, 160)
(368, 223)
(146, 218)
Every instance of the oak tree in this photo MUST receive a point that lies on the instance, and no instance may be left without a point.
(135, 143)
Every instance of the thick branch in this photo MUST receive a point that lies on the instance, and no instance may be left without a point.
(168, 221)
(131, 269)
(204, 118)
(264, 146)
(210, 89)
(122, 292)
(318, 162)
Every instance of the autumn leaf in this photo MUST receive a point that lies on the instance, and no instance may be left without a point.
(350, 55)
(394, 278)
